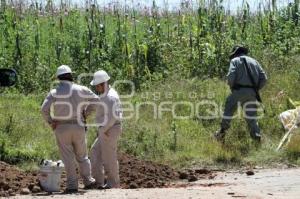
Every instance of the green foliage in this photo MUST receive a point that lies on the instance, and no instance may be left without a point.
(23, 134)
(135, 44)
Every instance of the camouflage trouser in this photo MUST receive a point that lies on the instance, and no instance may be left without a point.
(246, 98)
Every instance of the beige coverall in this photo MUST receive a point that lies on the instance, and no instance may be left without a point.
(104, 149)
(69, 101)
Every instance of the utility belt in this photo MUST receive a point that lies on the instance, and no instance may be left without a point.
(239, 86)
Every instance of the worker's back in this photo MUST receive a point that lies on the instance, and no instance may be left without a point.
(69, 101)
(110, 107)
(238, 74)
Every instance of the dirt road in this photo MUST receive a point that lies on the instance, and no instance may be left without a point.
(263, 184)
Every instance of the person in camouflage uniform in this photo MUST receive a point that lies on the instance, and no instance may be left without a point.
(244, 87)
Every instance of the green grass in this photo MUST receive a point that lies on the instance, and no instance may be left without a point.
(179, 143)
(137, 45)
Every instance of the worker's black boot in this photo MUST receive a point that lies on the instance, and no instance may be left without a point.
(256, 137)
(70, 191)
(106, 186)
(93, 185)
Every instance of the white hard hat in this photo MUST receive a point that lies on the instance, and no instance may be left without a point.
(63, 69)
(100, 77)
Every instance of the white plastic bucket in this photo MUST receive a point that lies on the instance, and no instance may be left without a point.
(50, 176)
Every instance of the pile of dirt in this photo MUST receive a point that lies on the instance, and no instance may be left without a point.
(134, 173)
(14, 181)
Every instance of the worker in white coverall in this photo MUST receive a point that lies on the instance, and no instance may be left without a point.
(108, 117)
(63, 109)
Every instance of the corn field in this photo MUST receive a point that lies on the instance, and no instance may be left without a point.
(142, 44)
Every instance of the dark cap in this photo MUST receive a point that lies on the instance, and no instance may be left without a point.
(237, 50)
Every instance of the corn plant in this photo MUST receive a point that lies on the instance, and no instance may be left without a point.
(138, 44)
